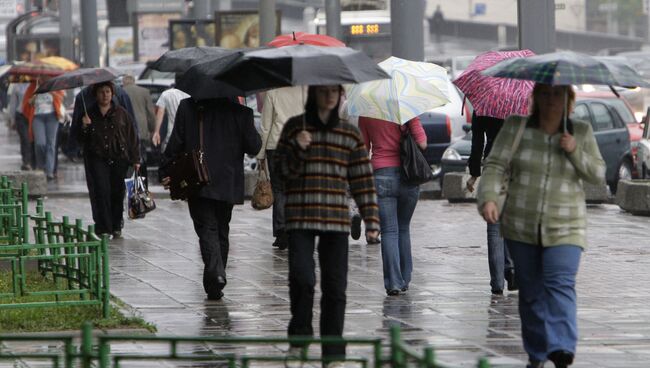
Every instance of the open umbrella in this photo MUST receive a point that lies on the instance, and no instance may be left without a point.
(495, 97)
(180, 60)
(302, 38)
(197, 81)
(414, 88)
(35, 70)
(61, 62)
(79, 78)
(567, 68)
(258, 70)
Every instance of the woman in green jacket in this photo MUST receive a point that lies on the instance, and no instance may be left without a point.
(543, 221)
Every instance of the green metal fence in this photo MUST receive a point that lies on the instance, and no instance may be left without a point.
(71, 255)
(96, 351)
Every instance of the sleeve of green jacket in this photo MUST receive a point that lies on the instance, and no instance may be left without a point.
(586, 158)
(497, 162)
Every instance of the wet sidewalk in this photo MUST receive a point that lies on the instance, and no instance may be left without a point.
(157, 270)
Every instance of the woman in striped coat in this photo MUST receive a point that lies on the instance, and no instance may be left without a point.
(317, 157)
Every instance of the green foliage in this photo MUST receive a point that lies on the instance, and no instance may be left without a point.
(56, 318)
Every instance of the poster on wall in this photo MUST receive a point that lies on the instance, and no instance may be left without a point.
(120, 46)
(151, 31)
(37, 46)
(191, 32)
(236, 29)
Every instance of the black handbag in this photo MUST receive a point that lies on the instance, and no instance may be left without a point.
(188, 172)
(414, 167)
(141, 202)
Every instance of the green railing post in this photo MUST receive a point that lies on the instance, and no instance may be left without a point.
(86, 345)
(396, 354)
(377, 351)
(429, 357)
(106, 306)
(25, 214)
(104, 350)
(69, 354)
(483, 363)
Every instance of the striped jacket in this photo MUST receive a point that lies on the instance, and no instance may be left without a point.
(316, 179)
(546, 201)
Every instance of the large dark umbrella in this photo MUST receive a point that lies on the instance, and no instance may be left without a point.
(259, 70)
(197, 81)
(180, 60)
(78, 78)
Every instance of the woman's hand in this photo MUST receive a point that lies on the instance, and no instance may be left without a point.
(165, 182)
(490, 212)
(568, 143)
(155, 139)
(372, 235)
(470, 184)
(304, 139)
(136, 167)
(86, 120)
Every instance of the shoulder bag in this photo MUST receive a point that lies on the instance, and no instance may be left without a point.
(188, 172)
(414, 167)
(503, 193)
(141, 202)
(263, 193)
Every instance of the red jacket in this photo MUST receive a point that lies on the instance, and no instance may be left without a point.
(28, 107)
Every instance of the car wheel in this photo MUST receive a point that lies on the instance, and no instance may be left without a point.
(624, 173)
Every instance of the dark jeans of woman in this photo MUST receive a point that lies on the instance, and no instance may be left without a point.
(105, 180)
(45, 127)
(397, 201)
(333, 262)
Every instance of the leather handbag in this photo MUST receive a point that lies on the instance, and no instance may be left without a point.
(414, 166)
(141, 202)
(503, 192)
(188, 172)
(263, 193)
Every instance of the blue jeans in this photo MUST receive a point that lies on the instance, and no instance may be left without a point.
(45, 127)
(547, 296)
(499, 259)
(397, 202)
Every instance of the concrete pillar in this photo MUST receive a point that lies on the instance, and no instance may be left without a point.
(202, 9)
(267, 21)
(536, 19)
(308, 16)
(65, 28)
(407, 27)
(89, 33)
(333, 18)
(223, 5)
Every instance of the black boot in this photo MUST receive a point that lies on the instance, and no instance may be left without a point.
(510, 280)
(561, 358)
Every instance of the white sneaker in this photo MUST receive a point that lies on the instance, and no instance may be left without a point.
(293, 354)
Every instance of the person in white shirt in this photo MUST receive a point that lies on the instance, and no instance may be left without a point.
(279, 105)
(167, 103)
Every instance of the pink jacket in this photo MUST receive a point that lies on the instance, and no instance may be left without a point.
(382, 138)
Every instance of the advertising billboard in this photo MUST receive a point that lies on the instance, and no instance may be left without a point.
(235, 29)
(151, 31)
(191, 32)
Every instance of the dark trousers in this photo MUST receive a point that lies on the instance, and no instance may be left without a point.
(333, 262)
(279, 199)
(26, 146)
(105, 180)
(144, 170)
(212, 225)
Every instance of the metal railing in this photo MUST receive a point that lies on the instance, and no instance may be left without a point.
(96, 351)
(72, 256)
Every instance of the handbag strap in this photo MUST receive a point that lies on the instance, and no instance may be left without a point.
(201, 129)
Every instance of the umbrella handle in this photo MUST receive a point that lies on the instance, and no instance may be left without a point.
(83, 101)
(566, 107)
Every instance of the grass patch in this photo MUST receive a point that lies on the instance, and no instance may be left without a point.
(57, 318)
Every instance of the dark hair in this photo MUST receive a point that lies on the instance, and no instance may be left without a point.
(108, 84)
(535, 110)
(311, 106)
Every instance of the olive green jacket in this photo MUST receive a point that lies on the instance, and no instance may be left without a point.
(546, 201)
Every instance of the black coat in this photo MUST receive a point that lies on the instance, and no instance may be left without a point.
(484, 132)
(228, 134)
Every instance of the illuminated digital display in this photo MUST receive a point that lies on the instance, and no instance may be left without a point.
(364, 29)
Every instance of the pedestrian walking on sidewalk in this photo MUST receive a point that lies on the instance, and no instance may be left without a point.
(317, 157)
(228, 134)
(43, 112)
(484, 131)
(167, 104)
(544, 217)
(397, 199)
(144, 117)
(279, 105)
(110, 147)
(21, 124)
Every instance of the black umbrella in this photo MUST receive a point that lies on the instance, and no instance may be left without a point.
(78, 78)
(180, 60)
(197, 81)
(258, 70)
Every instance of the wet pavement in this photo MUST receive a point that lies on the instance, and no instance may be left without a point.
(156, 269)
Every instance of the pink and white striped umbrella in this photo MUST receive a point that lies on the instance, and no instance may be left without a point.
(495, 97)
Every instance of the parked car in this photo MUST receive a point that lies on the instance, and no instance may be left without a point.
(459, 113)
(609, 128)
